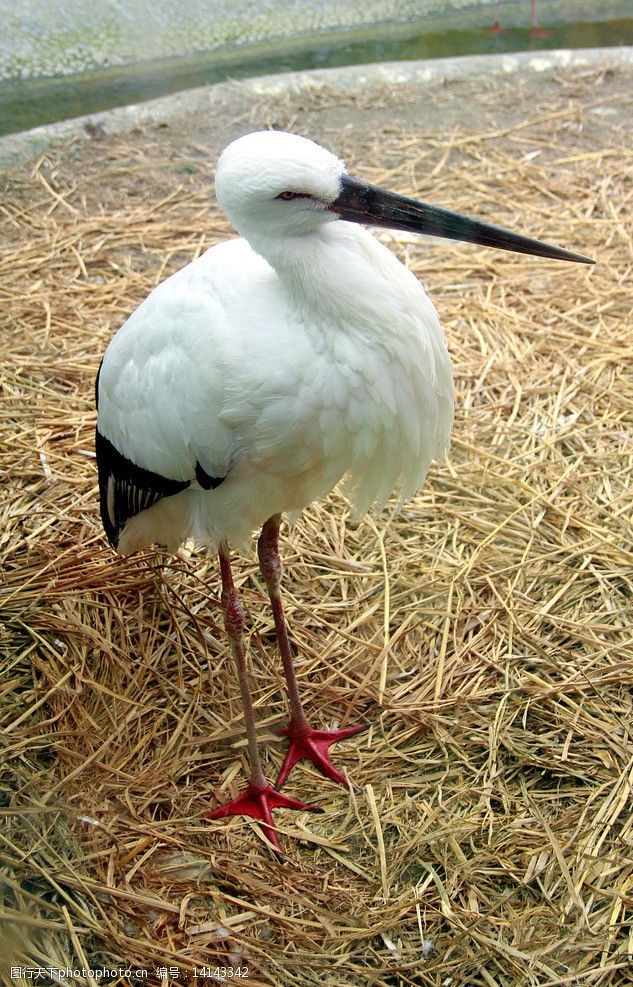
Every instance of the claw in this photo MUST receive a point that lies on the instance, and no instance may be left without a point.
(314, 745)
(258, 803)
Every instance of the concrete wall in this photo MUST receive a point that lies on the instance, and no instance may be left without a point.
(52, 37)
(62, 37)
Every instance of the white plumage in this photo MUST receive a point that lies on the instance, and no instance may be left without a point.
(249, 383)
(287, 364)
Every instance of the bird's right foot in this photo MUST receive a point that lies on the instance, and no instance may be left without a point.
(258, 801)
(313, 745)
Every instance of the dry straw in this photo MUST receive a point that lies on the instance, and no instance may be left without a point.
(484, 634)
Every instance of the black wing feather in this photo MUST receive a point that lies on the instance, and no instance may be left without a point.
(206, 481)
(126, 489)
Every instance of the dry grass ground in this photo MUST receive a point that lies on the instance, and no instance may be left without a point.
(485, 634)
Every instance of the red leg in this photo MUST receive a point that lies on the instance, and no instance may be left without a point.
(260, 797)
(536, 31)
(496, 27)
(305, 742)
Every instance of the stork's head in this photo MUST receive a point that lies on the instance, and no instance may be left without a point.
(277, 183)
(273, 184)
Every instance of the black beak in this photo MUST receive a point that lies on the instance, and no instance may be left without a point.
(360, 202)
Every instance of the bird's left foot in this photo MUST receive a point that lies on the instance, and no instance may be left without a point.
(314, 745)
(258, 801)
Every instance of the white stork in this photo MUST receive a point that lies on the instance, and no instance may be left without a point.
(279, 362)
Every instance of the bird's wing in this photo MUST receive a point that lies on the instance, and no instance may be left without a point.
(126, 489)
(158, 398)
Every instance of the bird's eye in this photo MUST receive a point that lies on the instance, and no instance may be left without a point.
(288, 195)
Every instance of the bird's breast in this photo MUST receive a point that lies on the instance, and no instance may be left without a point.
(223, 368)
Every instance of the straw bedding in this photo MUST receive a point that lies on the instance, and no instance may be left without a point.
(484, 634)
